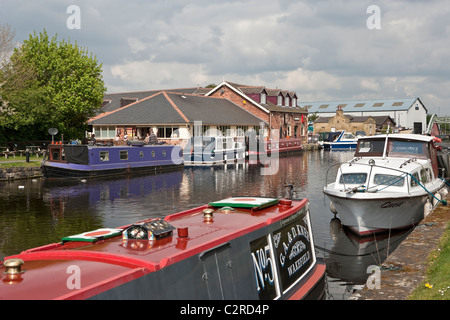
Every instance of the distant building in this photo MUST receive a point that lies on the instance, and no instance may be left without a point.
(170, 115)
(278, 108)
(228, 109)
(369, 124)
(406, 113)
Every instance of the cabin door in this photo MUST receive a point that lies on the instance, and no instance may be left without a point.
(217, 273)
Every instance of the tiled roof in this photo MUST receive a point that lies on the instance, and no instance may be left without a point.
(114, 99)
(177, 108)
(247, 89)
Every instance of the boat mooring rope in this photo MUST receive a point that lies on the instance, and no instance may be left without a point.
(444, 202)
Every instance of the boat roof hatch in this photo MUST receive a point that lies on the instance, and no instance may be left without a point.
(245, 202)
(94, 236)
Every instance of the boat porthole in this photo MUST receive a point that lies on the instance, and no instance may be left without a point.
(164, 153)
(141, 154)
(153, 153)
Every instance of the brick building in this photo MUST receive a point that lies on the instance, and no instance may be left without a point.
(369, 124)
(276, 107)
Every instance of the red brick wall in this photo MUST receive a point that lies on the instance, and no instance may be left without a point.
(227, 93)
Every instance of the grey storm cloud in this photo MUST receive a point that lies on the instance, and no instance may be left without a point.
(321, 49)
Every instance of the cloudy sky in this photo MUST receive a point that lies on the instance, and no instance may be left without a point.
(322, 49)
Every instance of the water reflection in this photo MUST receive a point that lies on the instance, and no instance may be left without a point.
(349, 256)
(39, 212)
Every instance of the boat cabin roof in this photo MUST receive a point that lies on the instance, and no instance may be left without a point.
(399, 145)
(108, 256)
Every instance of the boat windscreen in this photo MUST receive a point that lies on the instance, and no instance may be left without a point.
(372, 147)
(77, 154)
(408, 148)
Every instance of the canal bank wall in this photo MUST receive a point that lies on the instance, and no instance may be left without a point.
(405, 269)
(18, 173)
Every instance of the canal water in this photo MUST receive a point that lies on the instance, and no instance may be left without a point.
(38, 212)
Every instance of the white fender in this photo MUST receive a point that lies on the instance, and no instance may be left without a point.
(333, 208)
(437, 199)
(427, 208)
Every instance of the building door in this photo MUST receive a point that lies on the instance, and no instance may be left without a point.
(418, 127)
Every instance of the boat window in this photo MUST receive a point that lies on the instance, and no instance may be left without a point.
(348, 136)
(104, 156)
(389, 180)
(425, 175)
(370, 146)
(414, 148)
(353, 178)
(123, 155)
(415, 179)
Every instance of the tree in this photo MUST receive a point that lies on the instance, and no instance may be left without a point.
(50, 84)
(6, 43)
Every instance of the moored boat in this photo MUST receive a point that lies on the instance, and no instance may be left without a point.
(212, 150)
(256, 147)
(387, 183)
(236, 248)
(83, 161)
(341, 141)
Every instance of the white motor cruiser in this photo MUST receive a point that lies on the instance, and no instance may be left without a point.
(387, 184)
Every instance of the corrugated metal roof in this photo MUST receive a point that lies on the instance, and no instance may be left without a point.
(359, 105)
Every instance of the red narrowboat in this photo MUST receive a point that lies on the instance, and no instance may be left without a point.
(237, 248)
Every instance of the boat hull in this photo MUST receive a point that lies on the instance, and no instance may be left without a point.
(80, 161)
(340, 146)
(371, 216)
(56, 171)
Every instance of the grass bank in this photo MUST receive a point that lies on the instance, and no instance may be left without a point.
(19, 161)
(436, 285)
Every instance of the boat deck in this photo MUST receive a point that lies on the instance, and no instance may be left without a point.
(76, 269)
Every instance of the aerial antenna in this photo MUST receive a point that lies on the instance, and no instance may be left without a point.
(53, 132)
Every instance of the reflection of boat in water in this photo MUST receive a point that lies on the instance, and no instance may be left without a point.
(83, 161)
(386, 185)
(350, 256)
(237, 248)
(90, 191)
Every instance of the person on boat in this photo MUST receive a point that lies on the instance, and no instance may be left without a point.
(92, 140)
(152, 139)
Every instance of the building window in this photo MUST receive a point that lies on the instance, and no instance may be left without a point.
(280, 100)
(225, 130)
(294, 102)
(287, 101)
(241, 130)
(105, 132)
(167, 132)
(263, 97)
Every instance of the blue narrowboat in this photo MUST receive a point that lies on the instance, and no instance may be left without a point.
(84, 161)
